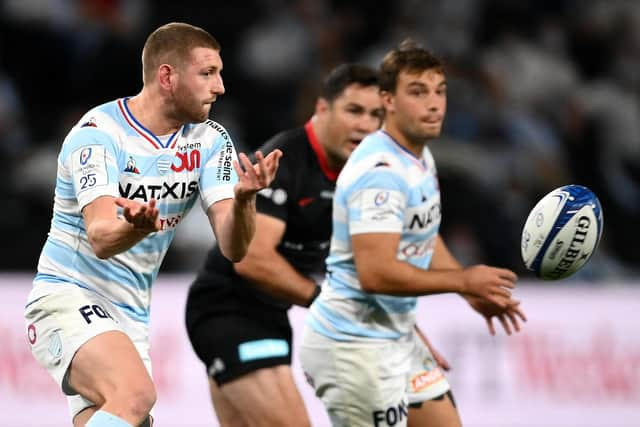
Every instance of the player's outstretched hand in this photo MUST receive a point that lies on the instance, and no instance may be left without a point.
(254, 177)
(491, 284)
(509, 316)
(143, 216)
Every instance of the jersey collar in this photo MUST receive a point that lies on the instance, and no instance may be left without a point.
(331, 174)
(143, 131)
(406, 152)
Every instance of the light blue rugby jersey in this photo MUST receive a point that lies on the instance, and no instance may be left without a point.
(110, 153)
(383, 188)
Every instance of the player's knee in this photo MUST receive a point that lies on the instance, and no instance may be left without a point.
(138, 400)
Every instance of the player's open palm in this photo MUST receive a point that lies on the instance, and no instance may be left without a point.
(491, 284)
(143, 216)
(254, 177)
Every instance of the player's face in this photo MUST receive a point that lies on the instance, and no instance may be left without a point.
(419, 104)
(353, 115)
(199, 85)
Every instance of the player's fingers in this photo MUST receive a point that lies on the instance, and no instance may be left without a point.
(518, 312)
(492, 329)
(247, 166)
(499, 300)
(505, 324)
(514, 321)
(126, 212)
(273, 160)
(121, 201)
(506, 283)
(507, 274)
(141, 211)
(263, 171)
(503, 292)
(237, 168)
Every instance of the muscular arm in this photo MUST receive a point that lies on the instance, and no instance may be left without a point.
(233, 222)
(269, 270)
(380, 271)
(110, 235)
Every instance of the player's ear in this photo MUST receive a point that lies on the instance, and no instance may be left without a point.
(387, 101)
(166, 76)
(322, 105)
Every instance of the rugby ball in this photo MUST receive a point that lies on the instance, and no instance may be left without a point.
(562, 232)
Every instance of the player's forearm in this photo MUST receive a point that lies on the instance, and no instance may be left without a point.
(403, 279)
(238, 229)
(110, 237)
(273, 274)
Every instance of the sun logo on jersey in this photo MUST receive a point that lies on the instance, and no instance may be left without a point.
(131, 166)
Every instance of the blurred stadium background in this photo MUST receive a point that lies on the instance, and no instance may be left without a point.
(541, 94)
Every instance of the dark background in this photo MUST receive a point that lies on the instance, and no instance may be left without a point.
(541, 94)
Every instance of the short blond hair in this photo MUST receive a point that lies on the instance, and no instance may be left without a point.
(172, 44)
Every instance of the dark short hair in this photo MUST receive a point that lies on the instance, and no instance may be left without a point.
(172, 44)
(409, 57)
(345, 75)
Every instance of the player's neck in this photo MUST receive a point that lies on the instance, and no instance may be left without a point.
(152, 112)
(322, 135)
(415, 147)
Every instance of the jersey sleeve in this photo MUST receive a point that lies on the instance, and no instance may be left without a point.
(218, 175)
(88, 162)
(376, 202)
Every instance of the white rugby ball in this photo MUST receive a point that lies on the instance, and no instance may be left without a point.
(562, 232)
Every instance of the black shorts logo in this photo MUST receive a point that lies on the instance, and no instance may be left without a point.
(390, 416)
(93, 310)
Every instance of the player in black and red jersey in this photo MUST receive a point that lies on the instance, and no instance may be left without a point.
(237, 313)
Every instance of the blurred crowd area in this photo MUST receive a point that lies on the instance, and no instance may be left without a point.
(542, 93)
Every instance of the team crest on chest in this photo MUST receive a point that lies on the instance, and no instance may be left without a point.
(164, 163)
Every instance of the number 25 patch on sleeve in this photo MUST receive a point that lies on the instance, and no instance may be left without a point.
(89, 168)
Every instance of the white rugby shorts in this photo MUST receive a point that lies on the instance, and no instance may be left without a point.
(61, 318)
(370, 383)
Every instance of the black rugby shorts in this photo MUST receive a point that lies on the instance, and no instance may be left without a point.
(232, 344)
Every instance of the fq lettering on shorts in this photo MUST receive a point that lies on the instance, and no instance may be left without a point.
(93, 310)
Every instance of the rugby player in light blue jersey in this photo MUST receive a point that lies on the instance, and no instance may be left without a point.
(128, 172)
(361, 351)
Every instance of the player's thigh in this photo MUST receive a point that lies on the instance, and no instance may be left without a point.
(268, 394)
(440, 412)
(248, 355)
(227, 413)
(70, 324)
(108, 365)
(360, 384)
